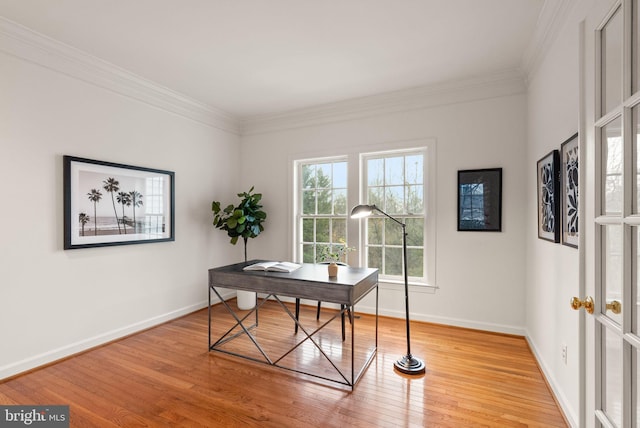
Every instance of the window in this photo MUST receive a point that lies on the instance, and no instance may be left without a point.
(323, 208)
(398, 181)
(154, 215)
(395, 183)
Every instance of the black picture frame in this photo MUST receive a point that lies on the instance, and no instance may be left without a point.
(107, 204)
(548, 184)
(569, 180)
(480, 200)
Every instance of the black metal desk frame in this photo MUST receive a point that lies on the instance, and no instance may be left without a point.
(308, 282)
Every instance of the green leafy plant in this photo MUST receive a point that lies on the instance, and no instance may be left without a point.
(333, 253)
(241, 221)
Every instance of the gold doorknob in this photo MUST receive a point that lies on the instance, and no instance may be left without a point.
(615, 307)
(587, 304)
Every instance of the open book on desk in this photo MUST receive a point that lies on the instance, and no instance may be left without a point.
(273, 266)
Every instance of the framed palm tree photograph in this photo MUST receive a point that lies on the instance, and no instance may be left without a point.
(108, 203)
(548, 197)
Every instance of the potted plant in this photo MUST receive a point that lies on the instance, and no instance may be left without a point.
(241, 221)
(333, 255)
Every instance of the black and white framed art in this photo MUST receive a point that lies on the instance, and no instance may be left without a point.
(548, 197)
(480, 200)
(569, 173)
(108, 203)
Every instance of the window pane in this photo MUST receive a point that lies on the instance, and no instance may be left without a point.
(415, 232)
(392, 232)
(339, 230)
(611, 79)
(340, 201)
(415, 262)
(324, 201)
(307, 230)
(394, 171)
(309, 202)
(321, 250)
(307, 254)
(415, 201)
(393, 261)
(324, 175)
(340, 174)
(612, 376)
(374, 258)
(414, 168)
(375, 196)
(612, 269)
(394, 200)
(612, 165)
(374, 230)
(375, 172)
(308, 176)
(322, 230)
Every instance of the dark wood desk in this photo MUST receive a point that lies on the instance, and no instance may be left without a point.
(312, 282)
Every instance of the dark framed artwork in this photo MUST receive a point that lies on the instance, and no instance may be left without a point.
(570, 168)
(548, 197)
(108, 203)
(480, 200)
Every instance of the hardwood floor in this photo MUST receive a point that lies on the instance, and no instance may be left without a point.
(165, 376)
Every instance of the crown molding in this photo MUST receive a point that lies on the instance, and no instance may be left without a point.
(503, 83)
(552, 17)
(37, 48)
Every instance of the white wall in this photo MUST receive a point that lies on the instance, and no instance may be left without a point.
(480, 274)
(55, 302)
(552, 269)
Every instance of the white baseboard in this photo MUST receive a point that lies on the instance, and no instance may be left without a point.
(91, 342)
(456, 322)
(557, 392)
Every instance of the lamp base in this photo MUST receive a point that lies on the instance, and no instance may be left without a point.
(410, 365)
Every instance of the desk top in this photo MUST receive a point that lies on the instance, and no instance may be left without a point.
(311, 281)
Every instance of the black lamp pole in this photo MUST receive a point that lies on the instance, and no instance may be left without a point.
(407, 364)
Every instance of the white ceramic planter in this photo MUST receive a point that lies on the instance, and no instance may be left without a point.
(246, 300)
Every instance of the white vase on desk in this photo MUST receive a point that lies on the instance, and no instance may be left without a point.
(245, 300)
(332, 268)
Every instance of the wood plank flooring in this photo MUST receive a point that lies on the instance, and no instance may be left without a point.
(165, 376)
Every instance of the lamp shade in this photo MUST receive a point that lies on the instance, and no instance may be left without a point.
(360, 211)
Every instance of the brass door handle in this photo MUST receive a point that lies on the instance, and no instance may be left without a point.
(615, 307)
(587, 304)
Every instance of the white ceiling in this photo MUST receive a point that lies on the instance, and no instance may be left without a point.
(257, 57)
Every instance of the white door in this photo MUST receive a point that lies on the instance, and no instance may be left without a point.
(610, 145)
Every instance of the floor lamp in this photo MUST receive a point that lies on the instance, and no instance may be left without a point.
(407, 364)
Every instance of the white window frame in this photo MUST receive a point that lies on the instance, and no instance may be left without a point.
(364, 188)
(299, 216)
(356, 194)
